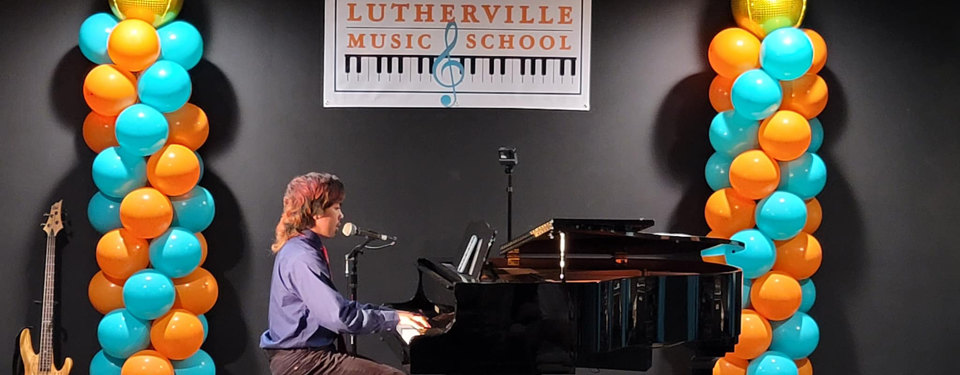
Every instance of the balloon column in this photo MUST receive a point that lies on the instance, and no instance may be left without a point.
(766, 174)
(149, 207)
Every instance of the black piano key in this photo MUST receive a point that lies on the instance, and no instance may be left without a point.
(400, 65)
(359, 64)
(573, 67)
(379, 64)
(502, 67)
(420, 62)
(389, 64)
(533, 67)
(563, 65)
(490, 68)
(523, 66)
(543, 67)
(473, 65)
(431, 65)
(346, 60)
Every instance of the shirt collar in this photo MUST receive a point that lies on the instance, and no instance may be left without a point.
(312, 238)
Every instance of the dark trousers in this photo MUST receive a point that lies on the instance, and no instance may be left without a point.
(310, 361)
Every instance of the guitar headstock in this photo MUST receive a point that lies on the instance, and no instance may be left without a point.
(54, 222)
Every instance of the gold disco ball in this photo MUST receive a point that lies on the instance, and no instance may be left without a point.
(764, 16)
(154, 12)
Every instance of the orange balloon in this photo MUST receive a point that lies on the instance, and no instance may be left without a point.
(146, 212)
(147, 362)
(717, 234)
(98, 131)
(819, 51)
(174, 170)
(754, 174)
(720, 93)
(105, 293)
(717, 259)
(133, 45)
(785, 135)
(806, 95)
(728, 212)
(799, 257)
(776, 295)
(734, 51)
(120, 254)
(805, 367)
(196, 292)
(188, 126)
(177, 335)
(730, 365)
(203, 247)
(755, 335)
(814, 216)
(109, 89)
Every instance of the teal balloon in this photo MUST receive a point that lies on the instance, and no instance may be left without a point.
(816, 135)
(755, 95)
(756, 257)
(94, 33)
(717, 171)
(104, 212)
(200, 363)
(745, 299)
(781, 215)
(796, 337)
(808, 295)
(786, 54)
(731, 134)
(193, 211)
(772, 363)
(804, 176)
(105, 364)
(181, 43)
(141, 130)
(206, 326)
(121, 333)
(175, 253)
(199, 159)
(117, 172)
(148, 294)
(713, 251)
(165, 85)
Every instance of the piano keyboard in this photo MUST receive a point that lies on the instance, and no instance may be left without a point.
(482, 74)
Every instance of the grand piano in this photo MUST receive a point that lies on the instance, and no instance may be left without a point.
(572, 293)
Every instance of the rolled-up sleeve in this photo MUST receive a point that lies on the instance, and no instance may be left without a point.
(330, 309)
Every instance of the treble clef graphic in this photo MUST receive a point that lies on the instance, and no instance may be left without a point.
(445, 64)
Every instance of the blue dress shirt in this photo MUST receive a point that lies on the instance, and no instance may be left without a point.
(306, 311)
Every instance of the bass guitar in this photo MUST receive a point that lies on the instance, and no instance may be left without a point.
(42, 363)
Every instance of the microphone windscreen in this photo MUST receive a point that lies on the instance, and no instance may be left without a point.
(349, 229)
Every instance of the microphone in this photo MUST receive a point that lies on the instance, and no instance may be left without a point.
(350, 229)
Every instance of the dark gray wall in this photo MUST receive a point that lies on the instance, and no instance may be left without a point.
(887, 290)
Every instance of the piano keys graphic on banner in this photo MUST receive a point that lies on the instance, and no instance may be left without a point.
(513, 54)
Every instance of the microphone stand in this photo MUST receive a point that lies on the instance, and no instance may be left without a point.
(509, 171)
(353, 276)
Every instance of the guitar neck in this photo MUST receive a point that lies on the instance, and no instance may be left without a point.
(46, 324)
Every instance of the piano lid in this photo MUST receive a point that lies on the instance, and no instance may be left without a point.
(610, 237)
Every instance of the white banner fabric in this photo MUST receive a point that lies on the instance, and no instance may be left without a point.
(457, 53)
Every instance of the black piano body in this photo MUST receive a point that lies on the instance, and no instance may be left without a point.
(574, 293)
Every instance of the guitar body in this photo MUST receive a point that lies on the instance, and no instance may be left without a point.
(31, 360)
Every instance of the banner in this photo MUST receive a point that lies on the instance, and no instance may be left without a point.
(457, 53)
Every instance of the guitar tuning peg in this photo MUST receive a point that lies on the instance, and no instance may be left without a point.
(46, 215)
